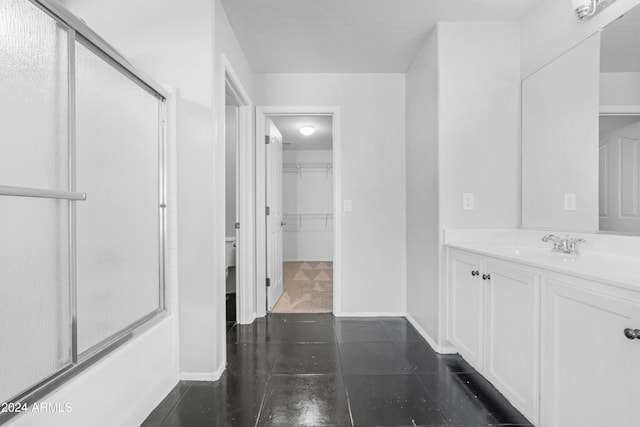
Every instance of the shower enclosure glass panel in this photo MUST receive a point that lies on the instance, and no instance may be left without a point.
(78, 277)
(117, 134)
(35, 329)
(33, 97)
(34, 273)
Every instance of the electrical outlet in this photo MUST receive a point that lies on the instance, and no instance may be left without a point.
(468, 203)
(347, 205)
(570, 202)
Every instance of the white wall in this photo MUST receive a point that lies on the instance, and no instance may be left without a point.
(560, 141)
(620, 89)
(307, 191)
(225, 44)
(479, 99)
(373, 164)
(422, 187)
(479, 123)
(463, 106)
(551, 28)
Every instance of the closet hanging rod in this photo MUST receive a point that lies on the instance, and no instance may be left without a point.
(300, 168)
(309, 214)
(307, 166)
(6, 190)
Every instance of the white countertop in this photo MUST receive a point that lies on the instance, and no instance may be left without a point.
(616, 269)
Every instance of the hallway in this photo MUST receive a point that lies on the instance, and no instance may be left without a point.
(315, 369)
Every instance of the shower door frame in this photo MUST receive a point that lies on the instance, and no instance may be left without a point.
(78, 31)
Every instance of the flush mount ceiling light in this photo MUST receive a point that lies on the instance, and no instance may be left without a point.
(307, 130)
(585, 9)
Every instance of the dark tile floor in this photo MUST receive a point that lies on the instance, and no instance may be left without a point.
(318, 370)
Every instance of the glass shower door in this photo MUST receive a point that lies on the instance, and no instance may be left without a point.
(34, 212)
(77, 280)
(118, 240)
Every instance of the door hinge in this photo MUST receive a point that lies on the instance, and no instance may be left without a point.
(268, 282)
(267, 140)
(237, 226)
(267, 210)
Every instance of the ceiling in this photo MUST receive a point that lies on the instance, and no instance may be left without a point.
(293, 140)
(349, 36)
(620, 44)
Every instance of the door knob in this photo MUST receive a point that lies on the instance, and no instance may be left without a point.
(282, 224)
(486, 277)
(632, 334)
(475, 273)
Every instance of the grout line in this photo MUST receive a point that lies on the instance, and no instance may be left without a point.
(262, 402)
(269, 376)
(176, 405)
(433, 398)
(344, 380)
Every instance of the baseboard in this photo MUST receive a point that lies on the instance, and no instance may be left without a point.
(251, 319)
(369, 314)
(430, 340)
(202, 376)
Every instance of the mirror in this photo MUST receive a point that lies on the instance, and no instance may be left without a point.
(581, 135)
(619, 126)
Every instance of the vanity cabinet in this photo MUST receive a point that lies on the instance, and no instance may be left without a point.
(494, 323)
(591, 370)
(553, 343)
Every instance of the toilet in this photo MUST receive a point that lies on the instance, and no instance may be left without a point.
(230, 273)
(230, 254)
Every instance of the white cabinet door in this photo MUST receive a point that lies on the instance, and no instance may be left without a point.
(590, 375)
(512, 335)
(466, 293)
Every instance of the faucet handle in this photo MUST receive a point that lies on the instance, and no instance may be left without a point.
(573, 244)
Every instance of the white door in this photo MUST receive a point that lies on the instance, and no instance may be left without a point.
(619, 177)
(466, 327)
(512, 335)
(274, 213)
(590, 371)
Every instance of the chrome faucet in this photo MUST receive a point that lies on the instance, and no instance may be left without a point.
(568, 245)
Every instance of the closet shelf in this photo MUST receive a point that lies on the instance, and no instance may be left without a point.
(300, 168)
(303, 218)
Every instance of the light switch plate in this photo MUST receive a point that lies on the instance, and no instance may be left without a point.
(347, 205)
(468, 203)
(570, 202)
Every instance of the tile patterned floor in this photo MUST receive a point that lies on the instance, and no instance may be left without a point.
(318, 370)
(307, 288)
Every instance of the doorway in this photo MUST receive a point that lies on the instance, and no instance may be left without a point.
(231, 205)
(307, 199)
(239, 223)
(300, 195)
